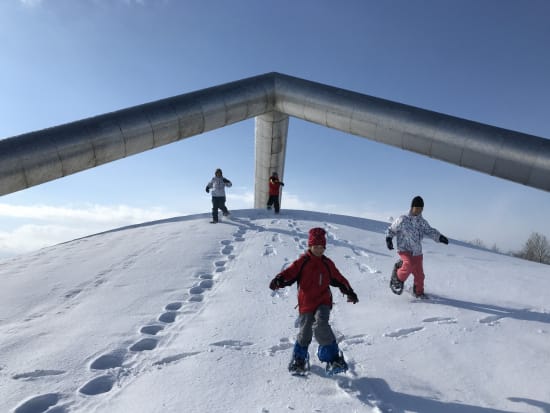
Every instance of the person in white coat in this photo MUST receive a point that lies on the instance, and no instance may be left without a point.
(409, 230)
(217, 187)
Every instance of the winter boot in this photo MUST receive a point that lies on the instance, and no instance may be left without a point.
(422, 296)
(299, 364)
(396, 284)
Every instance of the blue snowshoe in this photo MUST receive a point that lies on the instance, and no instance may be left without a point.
(299, 366)
(338, 365)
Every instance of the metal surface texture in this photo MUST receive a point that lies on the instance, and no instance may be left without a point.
(52, 153)
(503, 153)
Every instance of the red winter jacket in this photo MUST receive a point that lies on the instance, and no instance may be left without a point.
(314, 275)
(274, 185)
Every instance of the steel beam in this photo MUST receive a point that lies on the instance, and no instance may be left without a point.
(52, 153)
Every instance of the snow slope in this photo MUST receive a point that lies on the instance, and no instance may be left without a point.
(176, 316)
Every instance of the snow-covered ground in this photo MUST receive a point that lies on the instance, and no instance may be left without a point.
(176, 316)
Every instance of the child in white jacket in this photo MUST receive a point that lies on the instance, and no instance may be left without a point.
(410, 229)
(217, 185)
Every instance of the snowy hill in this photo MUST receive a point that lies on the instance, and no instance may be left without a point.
(176, 316)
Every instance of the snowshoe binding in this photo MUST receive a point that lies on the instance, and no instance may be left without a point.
(396, 285)
(299, 366)
(338, 365)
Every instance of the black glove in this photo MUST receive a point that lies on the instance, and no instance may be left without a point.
(207, 189)
(389, 243)
(276, 283)
(226, 181)
(443, 239)
(352, 297)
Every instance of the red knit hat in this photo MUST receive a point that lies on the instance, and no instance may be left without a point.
(317, 237)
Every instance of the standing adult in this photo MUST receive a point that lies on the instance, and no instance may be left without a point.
(274, 192)
(218, 184)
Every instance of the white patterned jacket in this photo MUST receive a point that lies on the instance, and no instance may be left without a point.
(409, 230)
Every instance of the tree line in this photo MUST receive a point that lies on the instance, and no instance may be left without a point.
(536, 248)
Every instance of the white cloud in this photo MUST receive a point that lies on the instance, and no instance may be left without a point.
(45, 225)
(92, 213)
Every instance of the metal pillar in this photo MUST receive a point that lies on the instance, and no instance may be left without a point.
(270, 146)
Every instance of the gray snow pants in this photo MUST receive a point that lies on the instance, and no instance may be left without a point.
(315, 324)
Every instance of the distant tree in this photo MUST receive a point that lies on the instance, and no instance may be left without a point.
(537, 248)
(478, 243)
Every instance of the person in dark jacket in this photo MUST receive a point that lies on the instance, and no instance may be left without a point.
(315, 274)
(218, 185)
(409, 230)
(274, 192)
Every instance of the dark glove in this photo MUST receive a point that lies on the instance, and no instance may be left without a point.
(226, 181)
(276, 283)
(352, 297)
(207, 189)
(443, 239)
(389, 243)
(282, 184)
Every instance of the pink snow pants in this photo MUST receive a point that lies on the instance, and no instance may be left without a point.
(412, 264)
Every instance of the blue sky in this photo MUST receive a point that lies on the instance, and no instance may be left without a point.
(64, 60)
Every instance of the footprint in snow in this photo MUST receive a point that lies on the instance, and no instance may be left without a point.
(174, 358)
(206, 284)
(196, 294)
(283, 345)
(196, 290)
(173, 306)
(440, 320)
(239, 235)
(38, 404)
(491, 320)
(403, 332)
(144, 344)
(109, 361)
(99, 385)
(227, 250)
(73, 293)
(151, 330)
(37, 374)
(232, 344)
(358, 339)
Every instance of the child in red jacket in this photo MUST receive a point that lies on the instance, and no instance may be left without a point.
(274, 192)
(315, 273)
